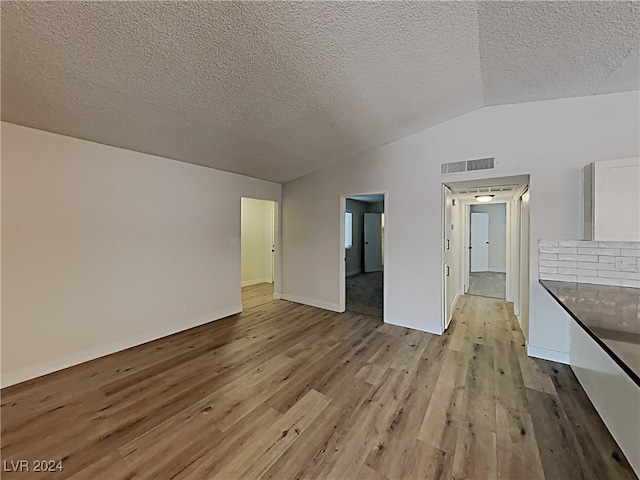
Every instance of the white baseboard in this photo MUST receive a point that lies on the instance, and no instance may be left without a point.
(311, 302)
(455, 302)
(412, 327)
(546, 354)
(28, 373)
(276, 296)
(354, 272)
(256, 281)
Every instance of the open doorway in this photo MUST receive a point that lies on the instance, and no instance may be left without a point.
(486, 243)
(364, 224)
(488, 250)
(257, 247)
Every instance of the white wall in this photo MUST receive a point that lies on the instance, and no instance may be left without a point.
(550, 140)
(497, 235)
(256, 241)
(102, 246)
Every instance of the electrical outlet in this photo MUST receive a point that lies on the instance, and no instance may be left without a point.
(183, 310)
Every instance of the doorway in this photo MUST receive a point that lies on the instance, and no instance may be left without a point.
(257, 251)
(488, 250)
(364, 245)
(485, 232)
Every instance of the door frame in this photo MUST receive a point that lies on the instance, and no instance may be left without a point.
(342, 258)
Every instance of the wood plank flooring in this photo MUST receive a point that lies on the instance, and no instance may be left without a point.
(286, 391)
(255, 295)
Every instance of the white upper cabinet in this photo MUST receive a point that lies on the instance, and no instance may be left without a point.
(612, 200)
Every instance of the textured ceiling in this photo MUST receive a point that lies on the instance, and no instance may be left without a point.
(276, 90)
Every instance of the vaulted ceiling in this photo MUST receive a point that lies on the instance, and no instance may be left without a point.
(276, 90)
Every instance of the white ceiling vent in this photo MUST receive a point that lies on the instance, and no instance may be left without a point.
(468, 166)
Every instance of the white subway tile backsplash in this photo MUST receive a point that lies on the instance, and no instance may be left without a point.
(571, 250)
(577, 243)
(597, 262)
(599, 251)
(560, 278)
(599, 280)
(606, 259)
(578, 258)
(626, 260)
(632, 245)
(548, 270)
(548, 243)
(627, 264)
(557, 263)
(574, 271)
(619, 274)
(596, 266)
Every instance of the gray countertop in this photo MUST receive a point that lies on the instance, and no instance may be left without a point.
(611, 315)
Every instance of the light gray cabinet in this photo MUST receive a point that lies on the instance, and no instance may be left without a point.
(611, 200)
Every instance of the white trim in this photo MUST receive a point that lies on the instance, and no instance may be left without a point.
(546, 354)
(342, 284)
(455, 302)
(276, 296)
(248, 283)
(27, 373)
(354, 272)
(311, 302)
(412, 327)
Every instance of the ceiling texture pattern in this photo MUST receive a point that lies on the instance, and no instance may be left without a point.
(276, 90)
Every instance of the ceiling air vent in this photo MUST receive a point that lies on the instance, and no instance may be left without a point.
(453, 167)
(480, 164)
(467, 166)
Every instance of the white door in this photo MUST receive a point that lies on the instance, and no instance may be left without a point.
(479, 242)
(372, 242)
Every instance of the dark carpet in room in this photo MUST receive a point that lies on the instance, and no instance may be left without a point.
(364, 293)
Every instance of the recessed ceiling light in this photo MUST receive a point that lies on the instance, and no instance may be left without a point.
(484, 198)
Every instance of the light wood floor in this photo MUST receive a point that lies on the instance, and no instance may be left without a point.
(255, 295)
(286, 391)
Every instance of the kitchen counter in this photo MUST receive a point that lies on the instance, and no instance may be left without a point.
(610, 315)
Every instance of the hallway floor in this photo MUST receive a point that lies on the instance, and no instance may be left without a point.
(255, 295)
(487, 284)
